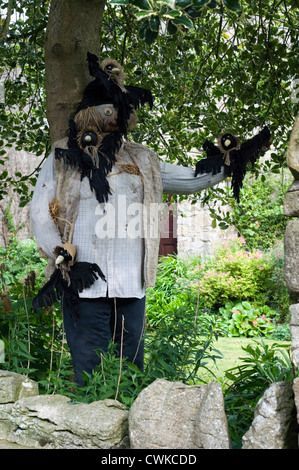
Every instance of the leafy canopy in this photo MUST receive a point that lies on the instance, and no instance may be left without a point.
(211, 65)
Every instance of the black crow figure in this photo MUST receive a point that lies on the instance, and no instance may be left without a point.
(234, 156)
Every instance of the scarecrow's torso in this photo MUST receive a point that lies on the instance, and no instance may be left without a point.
(111, 233)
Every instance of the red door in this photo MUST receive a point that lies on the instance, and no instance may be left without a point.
(168, 242)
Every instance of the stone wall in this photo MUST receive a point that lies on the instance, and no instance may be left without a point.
(25, 163)
(291, 239)
(291, 245)
(165, 415)
(195, 234)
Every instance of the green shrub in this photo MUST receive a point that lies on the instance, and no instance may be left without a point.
(173, 289)
(234, 274)
(258, 216)
(244, 319)
(246, 384)
(21, 274)
(21, 257)
(282, 333)
(174, 274)
(34, 343)
(113, 378)
(160, 308)
(176, 351)
(277, 295)
(181, 346)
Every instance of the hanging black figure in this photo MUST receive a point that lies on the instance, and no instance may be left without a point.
(92, 216)
(233, 156)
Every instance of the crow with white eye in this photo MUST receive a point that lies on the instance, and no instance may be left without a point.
(111, 70)
(114, 71)
(234, 156)
(111, 67)
(62, 256)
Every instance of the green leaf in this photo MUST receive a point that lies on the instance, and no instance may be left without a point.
(232, 5)
(172, 14)
(223, 225)
(184, 21)
(154, 23)
(149, 35)
(212, 3)
(171, 28)
(143, 29)
(143, 14)
(193, 12)
(142, 4)
(119, 2)
(183, 3)
(200, 3)
(133, 367)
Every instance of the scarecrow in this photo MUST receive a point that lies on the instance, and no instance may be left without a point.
(102, 256)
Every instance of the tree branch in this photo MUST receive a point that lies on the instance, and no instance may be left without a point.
(28, 34)
(4, 31)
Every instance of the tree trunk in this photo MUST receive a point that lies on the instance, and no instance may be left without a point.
(73, 29)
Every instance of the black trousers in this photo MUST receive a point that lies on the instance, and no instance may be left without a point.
(99, 321)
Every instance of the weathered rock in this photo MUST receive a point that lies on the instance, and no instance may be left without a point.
(291, 200)
(296, 398)
(293, 150)
(52, 422)
(11, 445)
(274, 418)
(294, 327)
(291, 255)
(172, 415)
(14, 386)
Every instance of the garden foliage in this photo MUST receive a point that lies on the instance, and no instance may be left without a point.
(243, 319)
(258, 216)
(234, 274)
(211, 65)
(191, 305)
(247, 382)
(234, 280)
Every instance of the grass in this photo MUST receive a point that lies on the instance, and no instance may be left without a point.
(231, 349)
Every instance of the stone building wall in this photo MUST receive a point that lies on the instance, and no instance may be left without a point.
(195, 234)
(25, 163)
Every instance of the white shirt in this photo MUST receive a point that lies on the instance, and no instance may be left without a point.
(110, 234)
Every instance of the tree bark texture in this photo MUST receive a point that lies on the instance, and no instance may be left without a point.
(73, 29)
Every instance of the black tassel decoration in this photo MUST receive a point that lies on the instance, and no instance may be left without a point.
(82, 275)
(75, 157)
